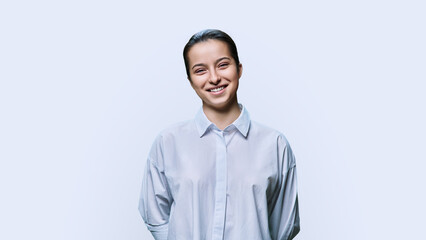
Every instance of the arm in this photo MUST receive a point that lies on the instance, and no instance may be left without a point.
(155, 200)
(284, 223)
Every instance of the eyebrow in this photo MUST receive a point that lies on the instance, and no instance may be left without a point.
(202, 64)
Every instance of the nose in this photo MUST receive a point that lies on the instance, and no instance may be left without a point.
(214, 77)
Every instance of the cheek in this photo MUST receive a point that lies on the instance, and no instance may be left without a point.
(231, 73)
(197, 83)
(200, 79)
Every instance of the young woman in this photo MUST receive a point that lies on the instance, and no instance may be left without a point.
(220, 175)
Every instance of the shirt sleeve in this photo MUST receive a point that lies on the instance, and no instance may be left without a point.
(155, 198)
(284, 220)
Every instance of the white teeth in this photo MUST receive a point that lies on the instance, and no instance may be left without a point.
(216, 89)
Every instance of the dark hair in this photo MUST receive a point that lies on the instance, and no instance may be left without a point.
(205, 35)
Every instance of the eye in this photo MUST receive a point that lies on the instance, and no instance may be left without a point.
(223, 65)
(199, 70)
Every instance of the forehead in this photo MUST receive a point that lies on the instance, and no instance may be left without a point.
(206, 51)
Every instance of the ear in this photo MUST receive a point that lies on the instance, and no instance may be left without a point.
(240, 70)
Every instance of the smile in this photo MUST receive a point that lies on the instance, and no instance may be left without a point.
(218, 89)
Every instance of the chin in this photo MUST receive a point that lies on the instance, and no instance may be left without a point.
(219, 105)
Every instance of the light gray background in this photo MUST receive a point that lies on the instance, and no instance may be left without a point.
(87, 85)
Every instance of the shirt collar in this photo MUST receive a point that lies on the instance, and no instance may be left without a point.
(242, 123)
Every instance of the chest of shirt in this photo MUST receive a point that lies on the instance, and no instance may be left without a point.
(191, 162)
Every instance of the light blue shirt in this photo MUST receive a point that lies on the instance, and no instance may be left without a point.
(204, 183)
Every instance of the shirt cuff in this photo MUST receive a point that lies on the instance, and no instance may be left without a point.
(159, 232)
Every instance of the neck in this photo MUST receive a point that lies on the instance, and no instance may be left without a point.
(222, 117)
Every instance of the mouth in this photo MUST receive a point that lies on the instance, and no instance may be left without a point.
(217, 89)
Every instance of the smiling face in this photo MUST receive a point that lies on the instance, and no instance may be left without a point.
(214, 74)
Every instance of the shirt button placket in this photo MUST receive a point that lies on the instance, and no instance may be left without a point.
(220, 191)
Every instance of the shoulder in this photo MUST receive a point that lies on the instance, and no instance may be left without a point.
(275, 139)
(167, 137)
(176, 130)
(260, 130)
